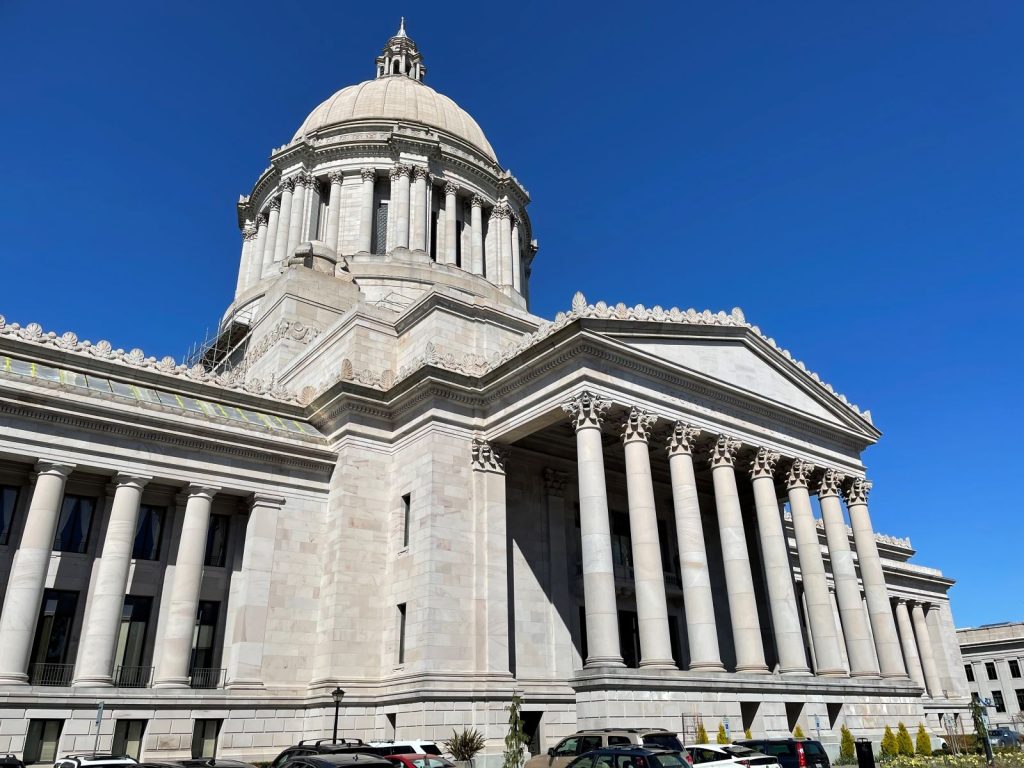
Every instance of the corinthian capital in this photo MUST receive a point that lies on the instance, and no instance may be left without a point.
(723, 454)
(367, 174)
(306, 179)
(288, 185)
(275, 204)
(763, 463)
(419, 172)
(487, 457)
(831, 483)
(451, 188)
(400, 170)
(476, 201)
(587, 410)
(636, 427)
(856, 491)
(261, 220)
(501, 211)
(682, 438)
(799, 474)
(335, 177)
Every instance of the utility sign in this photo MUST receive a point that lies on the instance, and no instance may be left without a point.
(725, 722)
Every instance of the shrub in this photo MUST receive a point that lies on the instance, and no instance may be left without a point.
(722, 737)
(746, 733)
(464, 746)
(702, 735)
(845, 744)
(904, 745)
(798, 732)
(924, 741)
(889, 746)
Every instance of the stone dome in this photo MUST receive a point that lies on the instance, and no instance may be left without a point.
(396, 97)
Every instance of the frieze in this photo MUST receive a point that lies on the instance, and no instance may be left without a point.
(881, 538)
(293, 330)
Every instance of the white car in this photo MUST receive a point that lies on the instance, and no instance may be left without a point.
(95, 761)
(408, 747)
(713, 755)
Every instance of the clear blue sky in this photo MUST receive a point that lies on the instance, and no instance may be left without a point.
(848, 174)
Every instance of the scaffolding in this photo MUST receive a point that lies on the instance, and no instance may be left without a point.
(223, 349)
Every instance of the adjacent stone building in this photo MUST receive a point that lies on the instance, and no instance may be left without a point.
(387, 474)
(993, 662)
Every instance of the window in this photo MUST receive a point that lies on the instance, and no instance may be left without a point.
(41, 742)
(8, 500)
(75, 521)
(53, 636)
(969, 669)
(148, 533)
(204, 738)
(997, 699)
(629, 638)
(1020, 699)
(128, 737)
(217, 541)
(567, 747)
(1014, 668)
(588, 743)
(131, 642)
(379, 245)
(401, 633)
(406, 517)
(202, 643)
(622, 544)
(990, 670)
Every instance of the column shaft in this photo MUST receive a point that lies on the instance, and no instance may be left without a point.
(562, 605)
(739, 581)
(504, 247)
(648, 574)
(295, 220)
(924, 648)
(271, 241)
(450, 223)
(247, 257)
(789, 639)
(701, 629)
(284, 220)
(28, 572)
(173, 671)
(368, 176)
(401, 213)
(418, 213)
(334, 210)
(256, 259)
(99, 631)
(517, 265)
(883, 626)
(859, 647)
(827, 652)
(492, 564)
(477, 221)
(909, 644)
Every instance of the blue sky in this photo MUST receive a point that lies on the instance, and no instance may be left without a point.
(848, 174)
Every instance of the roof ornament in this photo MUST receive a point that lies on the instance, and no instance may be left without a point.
(401, 56)
(401, 28)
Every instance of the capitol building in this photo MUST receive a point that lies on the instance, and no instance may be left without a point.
(386, 474)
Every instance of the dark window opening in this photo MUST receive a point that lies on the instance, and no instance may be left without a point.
(969, 669)
(406, 518)
(990, 670)
(148, 533)
(997, 700)
(1014, 668)
(217, 541)
(629, 638)
(8, 501)
(204, 738)
(76, 513)
(206, 628)
(401, 633)
(128, 737)
(131, 642)
(42, 740)
(379, 245)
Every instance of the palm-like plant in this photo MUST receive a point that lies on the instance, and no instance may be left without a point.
(466, 745)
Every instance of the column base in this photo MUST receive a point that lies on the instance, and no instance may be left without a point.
(795, 671)
(245, 685)
(895, 676)
(96, 681)
(832, 673)
(753, 669)
(604, 661)
(706, 666)
(172, 682)
(868, 675)
(658, 664)
(13, 678)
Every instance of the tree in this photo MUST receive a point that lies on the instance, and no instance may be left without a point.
(746, 734)
(924, 741)
(702, 735)
(904, 744)
(798, 732)
(722, 737)
(845, 744)
(516, 738)
(889, 746)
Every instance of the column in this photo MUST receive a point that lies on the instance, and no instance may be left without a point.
(334, 209)
(561, 606)
(739, 583)
(419, 212)
(910, 655)
(99, 631)
(488, 463)
(248, 619)
(859, 648)
(451, 192)
(295, 220)
(827, 654)
(839, 629)
(504, 260)
(25, 586)
(517, 265)
(281, 241)
(924, 648)
(247, 257)
(648, 574)
(368, 176)
(477, 221)
(400, 177)
(587, 411)
(789, 639)
(701, 629)
(883, 626)
(269, 245)
(256, 257)
(492, 261)
(173, 671)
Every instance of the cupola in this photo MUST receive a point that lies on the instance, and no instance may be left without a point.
(401, 57)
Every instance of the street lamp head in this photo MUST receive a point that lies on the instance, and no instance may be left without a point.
(337, 694)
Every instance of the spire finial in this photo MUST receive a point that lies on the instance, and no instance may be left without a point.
(401, 28)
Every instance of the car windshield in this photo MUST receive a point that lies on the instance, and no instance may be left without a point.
(813, 748)
(665, 740)
(431, 749)
(670, 760)
(737, 751)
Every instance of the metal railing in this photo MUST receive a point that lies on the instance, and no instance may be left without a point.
(206, 677)
(43, 673)
(133, 677)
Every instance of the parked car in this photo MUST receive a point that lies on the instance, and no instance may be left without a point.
(713, 755)
(632, 756)
(11, 760)
(410, 747)
(584, 741)
(420, 760)
(1003, 737)
(203, 762)
(310, 747)
(791, 753)
(339, 760)
(94, 760)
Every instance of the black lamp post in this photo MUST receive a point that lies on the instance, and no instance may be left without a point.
(337, 694)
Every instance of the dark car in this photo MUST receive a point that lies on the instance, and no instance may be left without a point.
(1003, 737)
(311, 747)
(11, 761)
(632, 756)
(203, 762)
(340, 760)
(791, 753)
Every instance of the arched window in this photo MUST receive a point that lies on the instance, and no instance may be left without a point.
(395, 67)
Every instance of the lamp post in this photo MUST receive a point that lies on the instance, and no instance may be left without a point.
(337, 694)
